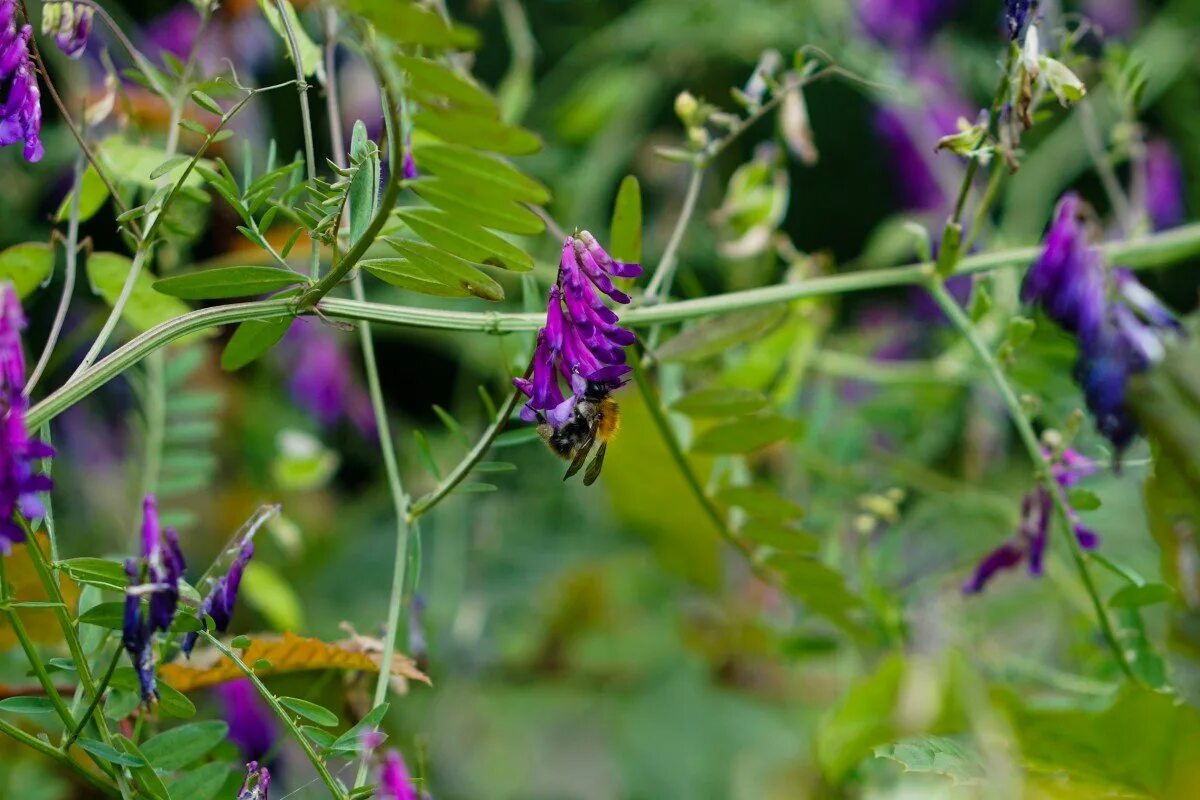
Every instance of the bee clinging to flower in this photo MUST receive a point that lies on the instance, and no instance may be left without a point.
(581, 343)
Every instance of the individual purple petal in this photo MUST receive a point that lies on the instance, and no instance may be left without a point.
(1165, 191)
(1006, 556)
(1088, 538)
(252, 726)
(1043, 511)
(394, 782)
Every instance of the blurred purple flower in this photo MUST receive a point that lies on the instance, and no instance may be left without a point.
(155, 575)
(1115, 17)
(257, 784)
(222, 597)
(1165, 190)
(322, 379)
(1016, 15)
(581, 340)
(70, 23)
(19, 484)
(252, 724)
(1067, 279)
(21, 110)
(394, 782)
(902, 23)
(1037, 511)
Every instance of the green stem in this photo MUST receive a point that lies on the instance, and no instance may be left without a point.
(660, 282)
(286, 718)
(58, 756)
(310, 157)
(95, 703)
(154, 403)
(1011, 402)
(1158, 250)
(997, 100)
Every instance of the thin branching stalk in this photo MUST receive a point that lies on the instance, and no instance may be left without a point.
(310, 157)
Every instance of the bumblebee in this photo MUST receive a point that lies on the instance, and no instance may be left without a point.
(595, 418)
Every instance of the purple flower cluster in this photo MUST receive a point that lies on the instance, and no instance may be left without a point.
(394, 782)
(257, 784)
(581, 340)
(252, 726)
(18, 452)
(70, 23)
(1037, 511)
(902, 23)
(155, 575)
(20, 98)
(220, 600)
(1118, 323)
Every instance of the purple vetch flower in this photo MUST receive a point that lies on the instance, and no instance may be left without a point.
(19, 484)
(394, 782)
(1165, 193)
(70, 23)
(902, 23)
(257, 784)
(220, 600)
(155, 575)
(252, 725)
(1016, 15)
(21, 109)
(1037, 511)
(1067, 279)
(322, 379)
(581, 341)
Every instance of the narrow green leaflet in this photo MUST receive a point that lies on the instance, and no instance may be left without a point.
(310, 711)
(1146, 595)
(27, 705)
(781, 537)
(625, 233)
(467, 166)
(171, 702)
(404, 22)
(310, 53)
(462, 238)
(720, 402)
(176, 748)
(224, 282)
(98, 572)
(449, 268)
(146, 308)
(431, 82)
(759, 502)
(483, 133)
(105, 615)
(251, 340)
(745, 435)
(939, 755)
(410, 275)
(27, 266)
(365, 185)
(91, 199)
(479, 204)
(137, 162)
(351, 740)
(202, 783)
(108, 753)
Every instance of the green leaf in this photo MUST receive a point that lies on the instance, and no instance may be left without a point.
(939, 755)
(480, 132)
(269, 592)
(759, 502)
(480, 205)
(240, 642)
(27, 705)
(206, 102)
(625, 236)
(821, 589)
(780, 537)
(476, 488)
(202, 783)
(720, 402)
(412, 276)
(515, 438)
(105, 615)
(96, 572)
(321, 738)
(1146, 595)
(716, 335)
(178, 747)
(463, 165)
(145, 775)
(137, 162)
(108, 753)
(431, 83)
(223, 282)
(1084, 500)
(165, 167)
(745, 435)
(310, 711)
(406, 23)
(27, 266)
(365, 185)
(93, 195)
(171, 702)
(252, 340)
(462, 238)
(449, 269)
(185, 622)
(492, 467)
(309, 52)
(145, 308)
(351, 740)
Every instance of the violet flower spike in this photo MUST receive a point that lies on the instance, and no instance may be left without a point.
(1016, 16)
(257, 784)
(252, 725)
(220, 601)
(394, 782)
(70, 23)
(21, 112)
(1166, 194)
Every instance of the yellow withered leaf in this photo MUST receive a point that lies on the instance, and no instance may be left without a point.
(39, 621)
(287, 653)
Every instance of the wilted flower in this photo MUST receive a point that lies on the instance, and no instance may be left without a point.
(257, 784)
(1016, 15)
(220, 600)
(581, 340)
(252, 725)
(70, 23)
(19, 485)
(902, 22)
(1118, 323)
(155, 575)
(394, 782)
(21, 110)
(1164, 185)
(1037, 511)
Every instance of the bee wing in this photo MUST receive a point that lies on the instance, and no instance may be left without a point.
(581, 454)
(593, 470)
